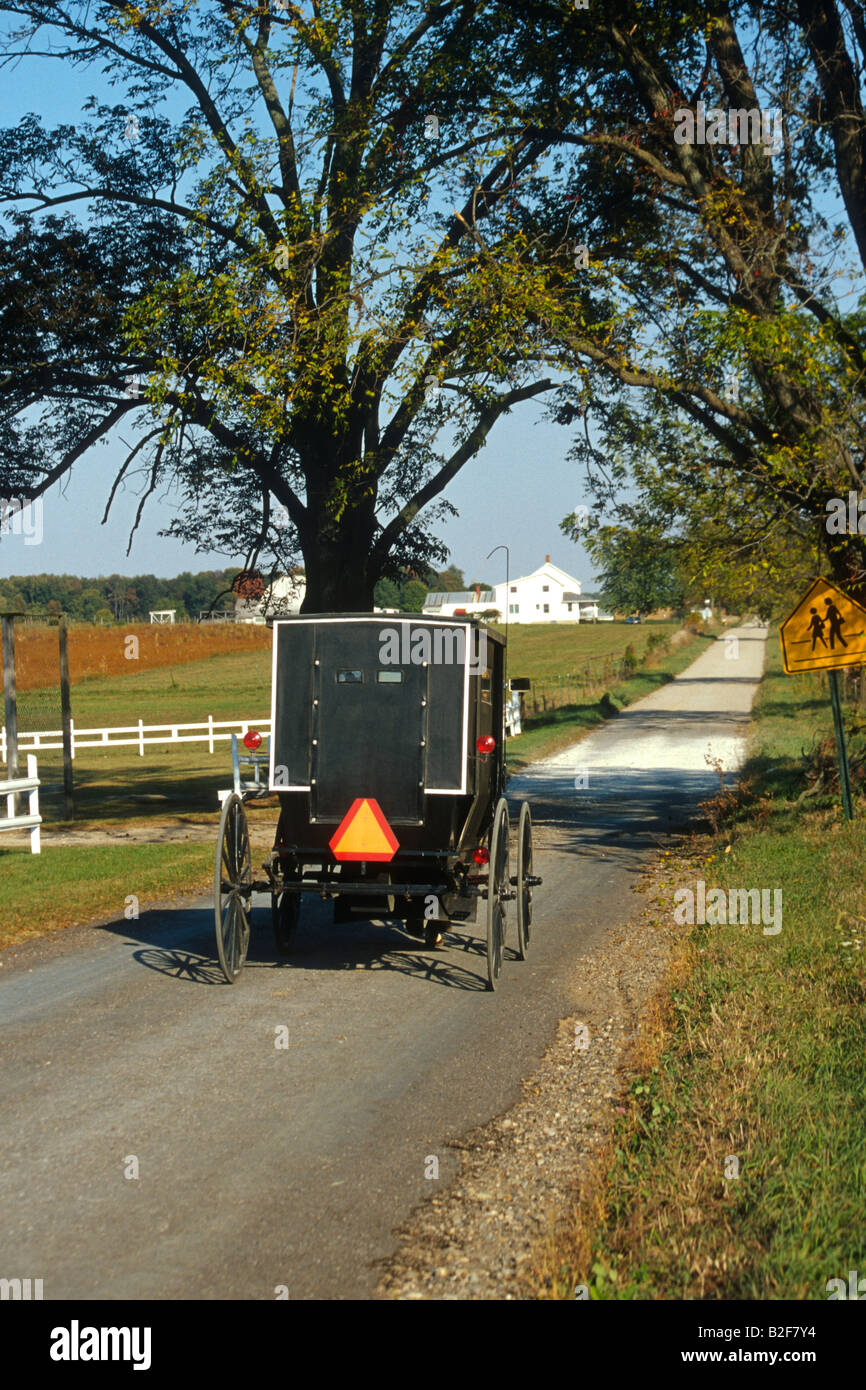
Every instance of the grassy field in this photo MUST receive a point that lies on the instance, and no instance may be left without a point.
(756, 1051)
(235, 685)
(106, 651)
(540, 650)
(229, 686)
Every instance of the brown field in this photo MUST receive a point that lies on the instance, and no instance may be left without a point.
(101, 651)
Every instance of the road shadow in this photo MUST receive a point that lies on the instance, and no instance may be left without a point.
(620, 813)
(180, 943)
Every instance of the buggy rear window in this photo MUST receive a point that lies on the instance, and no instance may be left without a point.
(350, 677)
(389, 677)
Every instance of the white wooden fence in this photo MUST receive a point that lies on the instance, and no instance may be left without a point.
(32, 821)
(138, 735)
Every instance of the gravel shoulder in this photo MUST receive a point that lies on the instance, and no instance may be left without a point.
(478, 1238)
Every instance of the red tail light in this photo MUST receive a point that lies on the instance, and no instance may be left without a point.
(252, 740)
(481, 855)
(485, 743)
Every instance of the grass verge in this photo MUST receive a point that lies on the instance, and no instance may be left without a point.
(70, 885)
(738, 1169)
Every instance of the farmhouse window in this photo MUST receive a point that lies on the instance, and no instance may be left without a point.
(545, 588)
(547, 608)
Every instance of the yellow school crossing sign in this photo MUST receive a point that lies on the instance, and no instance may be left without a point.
(826, 630)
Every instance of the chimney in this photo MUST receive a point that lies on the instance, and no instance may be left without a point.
(547, 559)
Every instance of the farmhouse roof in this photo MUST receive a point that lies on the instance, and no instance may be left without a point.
(554, 571)
(460, 596)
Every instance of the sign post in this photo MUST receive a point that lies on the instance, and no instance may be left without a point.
(826, 631)
(841, 748)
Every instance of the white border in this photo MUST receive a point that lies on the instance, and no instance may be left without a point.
(299, 787)
(461, 790)
(382, 620)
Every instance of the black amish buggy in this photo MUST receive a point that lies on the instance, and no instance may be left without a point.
(387, 755)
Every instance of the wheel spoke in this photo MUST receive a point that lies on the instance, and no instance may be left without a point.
(235, 946)
(228, 933)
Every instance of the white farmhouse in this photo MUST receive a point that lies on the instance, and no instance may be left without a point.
(548, 595)
(281, 599)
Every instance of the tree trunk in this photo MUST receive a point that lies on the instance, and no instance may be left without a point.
(333, 588)
(336, 561)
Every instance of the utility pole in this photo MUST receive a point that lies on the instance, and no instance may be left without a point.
(10, 704)
(66, 721)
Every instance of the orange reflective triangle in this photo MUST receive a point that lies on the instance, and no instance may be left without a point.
(364, 833)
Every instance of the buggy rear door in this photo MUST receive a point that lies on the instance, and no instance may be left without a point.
(369, 726)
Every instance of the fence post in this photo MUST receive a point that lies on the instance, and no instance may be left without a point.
(72, 740)
(236, 767)
(35, 839)
(9, 700)
(210, 733)
(66, 721)
(141, 738)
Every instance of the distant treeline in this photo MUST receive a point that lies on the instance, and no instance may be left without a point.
(119, 598)
(115, 597)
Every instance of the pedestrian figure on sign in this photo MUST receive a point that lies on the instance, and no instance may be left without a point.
(835, 619)
(816, 627)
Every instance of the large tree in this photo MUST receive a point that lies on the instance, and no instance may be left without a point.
(293, 256)
(733, 253)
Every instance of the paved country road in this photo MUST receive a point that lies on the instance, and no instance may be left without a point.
(261, 1167)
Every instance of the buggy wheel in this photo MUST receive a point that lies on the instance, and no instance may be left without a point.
(285, 915)
(497, 890)
(232, 888)
(524, 888)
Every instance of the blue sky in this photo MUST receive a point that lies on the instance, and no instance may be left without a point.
(515, 492)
